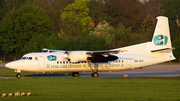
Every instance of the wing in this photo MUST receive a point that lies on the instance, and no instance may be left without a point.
(93, 56)
(103, 52)
(102, 56)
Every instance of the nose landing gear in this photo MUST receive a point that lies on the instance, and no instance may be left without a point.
(18, 75)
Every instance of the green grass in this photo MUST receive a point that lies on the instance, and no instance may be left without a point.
(93, 89)
(88, 88)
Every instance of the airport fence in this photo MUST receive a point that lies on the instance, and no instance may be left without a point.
(7, 58)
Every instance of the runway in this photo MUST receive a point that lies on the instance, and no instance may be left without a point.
(149, 71)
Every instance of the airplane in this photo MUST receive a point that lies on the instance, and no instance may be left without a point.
(158, 49)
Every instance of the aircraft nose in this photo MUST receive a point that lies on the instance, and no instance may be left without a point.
(14, 65)
(8, 65)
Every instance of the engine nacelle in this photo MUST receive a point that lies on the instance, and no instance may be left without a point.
(76, 56)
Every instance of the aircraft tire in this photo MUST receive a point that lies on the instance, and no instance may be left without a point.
(73, 74)
(96, 74)
(76, 74)
(92, 74)
(18, 75)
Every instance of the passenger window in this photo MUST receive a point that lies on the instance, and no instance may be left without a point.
(60, 62)
(57, 62)
(66, 61)
(30, 58)
(63, 62)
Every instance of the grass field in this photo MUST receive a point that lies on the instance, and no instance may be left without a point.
(90, 89)
(93, 89)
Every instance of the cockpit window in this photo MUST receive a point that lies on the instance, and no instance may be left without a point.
(26, 58)
(23, 58)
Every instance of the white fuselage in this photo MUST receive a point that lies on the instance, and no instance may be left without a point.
(158, 49)
(43, 62)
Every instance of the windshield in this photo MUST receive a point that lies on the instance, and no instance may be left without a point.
(26, 58)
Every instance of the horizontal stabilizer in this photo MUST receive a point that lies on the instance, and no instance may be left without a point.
(165, 50)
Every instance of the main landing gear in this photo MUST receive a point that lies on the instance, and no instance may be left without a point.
(94, 74)
(95, 70)
(75, 74)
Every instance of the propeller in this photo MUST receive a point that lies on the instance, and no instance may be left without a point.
(66, 54)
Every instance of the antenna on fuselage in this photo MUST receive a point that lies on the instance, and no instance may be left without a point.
(45, 50)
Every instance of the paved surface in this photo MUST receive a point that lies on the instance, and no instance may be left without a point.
(154, 70)
(2, 64)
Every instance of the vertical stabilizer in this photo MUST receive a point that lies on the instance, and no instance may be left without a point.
(160, 36)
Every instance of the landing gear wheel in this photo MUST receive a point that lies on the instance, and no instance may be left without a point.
(75, 74)
(18, 75)
(94, 74)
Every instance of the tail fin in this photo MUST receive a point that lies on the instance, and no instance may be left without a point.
(160, 40)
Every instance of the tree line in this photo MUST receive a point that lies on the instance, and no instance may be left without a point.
(30, 25)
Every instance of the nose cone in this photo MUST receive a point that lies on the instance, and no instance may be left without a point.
(14, 65)
(8, 65)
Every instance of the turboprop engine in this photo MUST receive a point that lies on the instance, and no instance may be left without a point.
(76, 56)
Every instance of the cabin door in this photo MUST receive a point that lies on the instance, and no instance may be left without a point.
(128, 62)
(41, 62)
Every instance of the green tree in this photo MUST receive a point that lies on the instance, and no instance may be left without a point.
(53, 42)
(146, 28)
(152, 1)
(90, 42)
(13, 5)
(170, 8)
(177, 49)
(21, 25)
(54, 9)
(105, 31)
(123, 36)
(93, 42)
(98, 11)
(128, 12)
(3, 9)
(76, 18)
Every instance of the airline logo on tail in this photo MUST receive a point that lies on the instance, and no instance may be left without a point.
(51, 58)
(160, 40)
